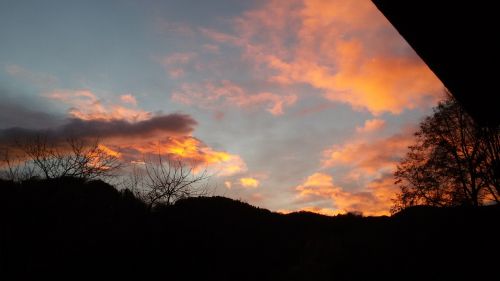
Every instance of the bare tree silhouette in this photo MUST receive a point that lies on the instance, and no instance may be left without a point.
(74, 157)
(163, 180)
(13, 167)
(454, 161)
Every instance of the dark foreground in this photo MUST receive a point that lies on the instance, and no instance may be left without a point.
(75, 230)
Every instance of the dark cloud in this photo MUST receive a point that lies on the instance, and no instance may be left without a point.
(16, 112)
(19, 116)
(172, 124)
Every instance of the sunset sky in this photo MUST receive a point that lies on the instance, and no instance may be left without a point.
(291, 104)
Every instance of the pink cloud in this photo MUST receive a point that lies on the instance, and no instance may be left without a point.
(177, 28)
(40, 79)
(226, 93)
(175, 64)
(179, 58)
(211, 48)
(130, 99)
(85, 105)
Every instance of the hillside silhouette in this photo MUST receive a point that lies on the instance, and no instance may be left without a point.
(75, 229)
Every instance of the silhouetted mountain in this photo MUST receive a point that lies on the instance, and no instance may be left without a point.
(73, 229)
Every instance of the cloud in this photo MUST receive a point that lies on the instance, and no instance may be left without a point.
(367, 184)
(371, 125)
(40, 79)
(249, 182)
(172, 124)
(344, 48)
(14, 112)
(129, 98)
(211, 48)
(134, 132)
(176, 63)
(176, 28)
(376, 201)
(186, 148)
(86, 106)
(179, 58)
(370, 157)
(317, 184)
(167, 135)
(226, 93)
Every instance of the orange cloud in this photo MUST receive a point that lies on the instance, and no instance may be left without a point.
(345, 48)
(369, 157)
(109, 151)
(249, 182)
(371, 125)
(186, 148)
(136, 133)
(374, 202)
(317, 184)
(211, 95)
(370, 164)
(86, 106)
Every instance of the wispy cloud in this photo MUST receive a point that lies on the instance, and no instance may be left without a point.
(228, 94)
(176, 63)
(129, 99)
(39, 79)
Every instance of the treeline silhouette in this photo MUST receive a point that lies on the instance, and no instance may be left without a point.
(74, 228)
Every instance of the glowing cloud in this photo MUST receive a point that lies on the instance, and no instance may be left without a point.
(317, 184)
(132, 134)
(249, 182)
(322, 211)
(321, 186)
(188, 149)
(345, 48)
(370, 157)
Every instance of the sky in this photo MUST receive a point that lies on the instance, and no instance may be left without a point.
(289, 104)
